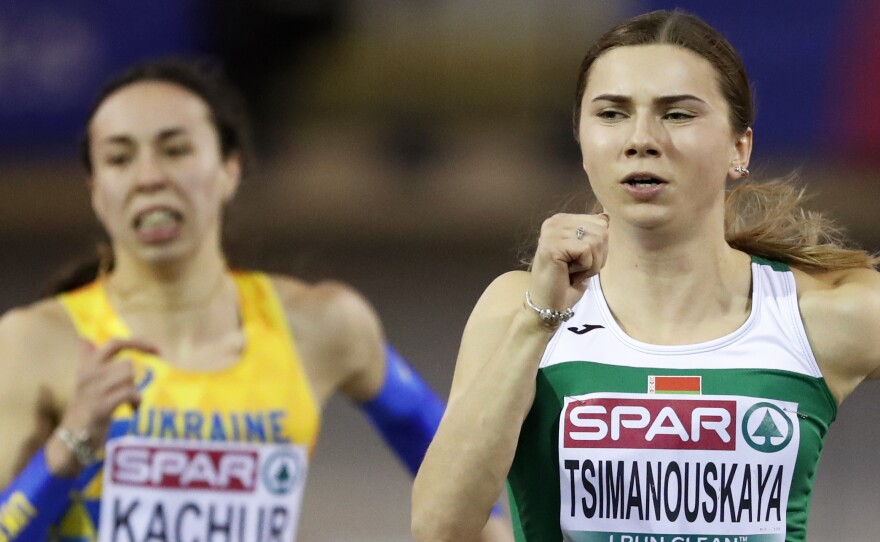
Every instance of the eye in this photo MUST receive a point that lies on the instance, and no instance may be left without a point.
(678, 115)
(117, 158)
(177, 150)
(611, 114)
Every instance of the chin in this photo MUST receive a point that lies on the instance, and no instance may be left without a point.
(648, 217)
(170, 254)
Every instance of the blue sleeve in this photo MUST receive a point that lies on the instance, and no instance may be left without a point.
(33, 502)
(406, 411)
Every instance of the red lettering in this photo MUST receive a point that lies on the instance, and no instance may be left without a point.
(667, 424)
(185, 468)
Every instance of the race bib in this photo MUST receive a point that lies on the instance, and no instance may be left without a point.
(676, 468)
(201, 491)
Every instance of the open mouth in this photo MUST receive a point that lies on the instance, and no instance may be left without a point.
(643, 181)
(160, 217)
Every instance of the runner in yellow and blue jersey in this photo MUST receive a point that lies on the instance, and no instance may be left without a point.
(668, 368)
(172, 398)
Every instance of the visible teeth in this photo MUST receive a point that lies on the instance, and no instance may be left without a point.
(157, 218)
(643, 184)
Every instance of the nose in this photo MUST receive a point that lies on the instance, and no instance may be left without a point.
(643, 138)
(149, 174)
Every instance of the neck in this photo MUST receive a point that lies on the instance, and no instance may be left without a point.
(661, 290)
(178, 285)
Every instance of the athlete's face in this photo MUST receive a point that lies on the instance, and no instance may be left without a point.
(159, 180)
(655, 136)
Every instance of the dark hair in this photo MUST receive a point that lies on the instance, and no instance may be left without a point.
(205, 78)
(80, 272)
(690, 32)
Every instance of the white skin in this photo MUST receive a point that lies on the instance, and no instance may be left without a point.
(159, 187)
(667, 273)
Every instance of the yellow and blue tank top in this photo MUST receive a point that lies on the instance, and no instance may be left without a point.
(717, 441)
(263, 398)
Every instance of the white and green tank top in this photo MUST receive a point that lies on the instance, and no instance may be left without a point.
(710, 442)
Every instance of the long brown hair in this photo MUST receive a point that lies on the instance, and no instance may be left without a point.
(769, 219)
(765, 219)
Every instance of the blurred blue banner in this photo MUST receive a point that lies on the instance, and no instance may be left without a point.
(814, 67)
(54, 54)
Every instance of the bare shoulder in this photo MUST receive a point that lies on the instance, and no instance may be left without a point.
(338, 333)
(39, 335)
(851, 297)
(841, 312)
(323, 304)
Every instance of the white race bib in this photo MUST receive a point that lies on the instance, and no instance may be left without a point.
(201, 491)
(676, 468)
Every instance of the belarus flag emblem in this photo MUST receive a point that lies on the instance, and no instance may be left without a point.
(675, 384)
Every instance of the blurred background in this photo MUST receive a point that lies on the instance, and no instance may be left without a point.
(412, 148)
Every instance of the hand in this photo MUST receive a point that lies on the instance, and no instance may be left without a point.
(563, 262)
(103, 384)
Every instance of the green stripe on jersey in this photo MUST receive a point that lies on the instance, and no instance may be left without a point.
(772, 264)
(534, 475)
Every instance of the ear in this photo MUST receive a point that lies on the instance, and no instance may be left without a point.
(231, 176)
(742, 152)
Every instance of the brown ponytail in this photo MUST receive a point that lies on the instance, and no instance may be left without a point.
(768, 219)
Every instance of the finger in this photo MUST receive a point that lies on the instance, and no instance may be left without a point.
(114, 374)
(120, 395)
(600, 253)
(579, 279)
(594, 254)
(94, 381)
(581, 225)
(584, 268)
(114, 377)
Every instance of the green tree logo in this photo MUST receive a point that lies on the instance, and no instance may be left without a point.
(767, 429)
(282, 476)
(767, 437)
(282, 472)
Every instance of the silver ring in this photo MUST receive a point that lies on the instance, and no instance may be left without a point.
(580, 231)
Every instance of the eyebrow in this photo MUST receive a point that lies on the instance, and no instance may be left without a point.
(164, 135)
(662, 100)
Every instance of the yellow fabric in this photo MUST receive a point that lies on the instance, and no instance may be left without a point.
(264, 397)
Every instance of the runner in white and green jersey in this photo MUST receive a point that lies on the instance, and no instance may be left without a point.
(651, 378)
(712, 441)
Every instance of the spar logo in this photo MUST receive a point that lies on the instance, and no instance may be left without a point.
(184, 468)
(679, 424)
(281, 472)
(766, 428)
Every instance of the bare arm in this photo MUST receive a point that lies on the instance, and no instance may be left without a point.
(464, 470)
(494, 383)
(841, 313)
(52, 378)
(28, 396)
(351, 362)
